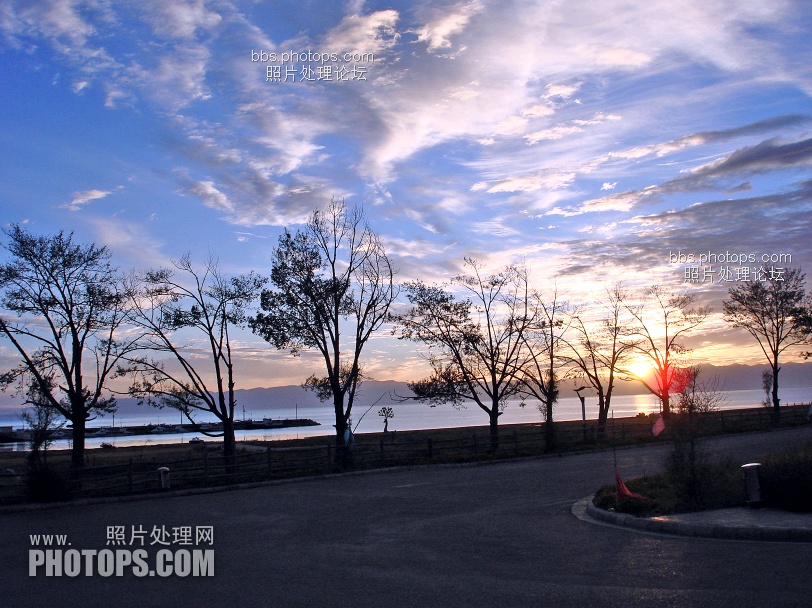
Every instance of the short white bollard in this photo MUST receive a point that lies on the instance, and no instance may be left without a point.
(164, 472)
(752, 485)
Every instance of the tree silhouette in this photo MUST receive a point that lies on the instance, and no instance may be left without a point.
(475, 345)
(69, 305)
(541, 357)
(170, 305)
(775, 313)
(600, 351)
(333, 286)
(661, 322)
(387, 413)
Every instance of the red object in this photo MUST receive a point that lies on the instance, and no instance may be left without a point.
(623, 491)
(659, 426)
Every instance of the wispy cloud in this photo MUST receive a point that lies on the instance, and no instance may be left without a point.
(445, 23)
(769, 155)
(483, 128)
(180, 18)
(80, 199)
(208, 194)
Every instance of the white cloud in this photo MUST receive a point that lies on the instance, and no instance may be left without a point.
(209, 195)
(513, 125)
(497, 226)
(114, 96)
(538, 109)
(361, 34)
(622, 201)
(131, 243)
(562, 91)
(608, 185)
(80, 199)
(551, 133)
(549, 51)
(180, 18)
(178, 79)
(622, 57)
(437, 32)
(563, 211)
(548, 180)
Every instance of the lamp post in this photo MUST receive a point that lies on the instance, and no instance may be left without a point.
(583, 409)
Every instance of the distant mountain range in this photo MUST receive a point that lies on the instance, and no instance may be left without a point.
(730, 378)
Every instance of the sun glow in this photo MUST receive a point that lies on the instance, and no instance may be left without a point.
(640, 368)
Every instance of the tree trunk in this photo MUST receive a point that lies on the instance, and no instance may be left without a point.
(549, 428)
(603, 414)
(776, 401)
(342, 454)
(78, 451)
(494, 427)
(666, 400)
(229, 445)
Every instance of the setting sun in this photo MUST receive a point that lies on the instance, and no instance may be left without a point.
(640, 368)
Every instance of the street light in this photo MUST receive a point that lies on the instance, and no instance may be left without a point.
(583, 408)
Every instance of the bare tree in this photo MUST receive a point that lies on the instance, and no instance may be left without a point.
(695, 396)
(167, 307)
(475, 345)
(662, 321)
(600, 352)
(775, 313)
(69, 307)
(539, 370)
(333, 286)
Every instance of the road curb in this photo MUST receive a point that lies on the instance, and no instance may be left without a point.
(679, 528)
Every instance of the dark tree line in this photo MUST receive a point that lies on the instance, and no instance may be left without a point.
(77, 323)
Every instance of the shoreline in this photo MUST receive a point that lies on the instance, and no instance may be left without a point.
(637, 423)
(162, 429)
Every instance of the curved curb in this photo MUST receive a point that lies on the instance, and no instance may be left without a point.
(679, 528)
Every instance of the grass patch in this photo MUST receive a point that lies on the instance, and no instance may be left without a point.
(721, 486)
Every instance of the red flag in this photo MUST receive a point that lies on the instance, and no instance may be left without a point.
(659, 426)
(623, 491)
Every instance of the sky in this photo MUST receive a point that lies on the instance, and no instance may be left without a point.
(589, 141)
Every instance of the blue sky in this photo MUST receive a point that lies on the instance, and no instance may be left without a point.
(588, 140)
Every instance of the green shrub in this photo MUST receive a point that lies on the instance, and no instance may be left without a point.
(786, 480)
(605, 497)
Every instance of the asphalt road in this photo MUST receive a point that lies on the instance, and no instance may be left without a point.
(494, 535)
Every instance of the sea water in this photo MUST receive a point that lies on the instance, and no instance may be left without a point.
(408, 416)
